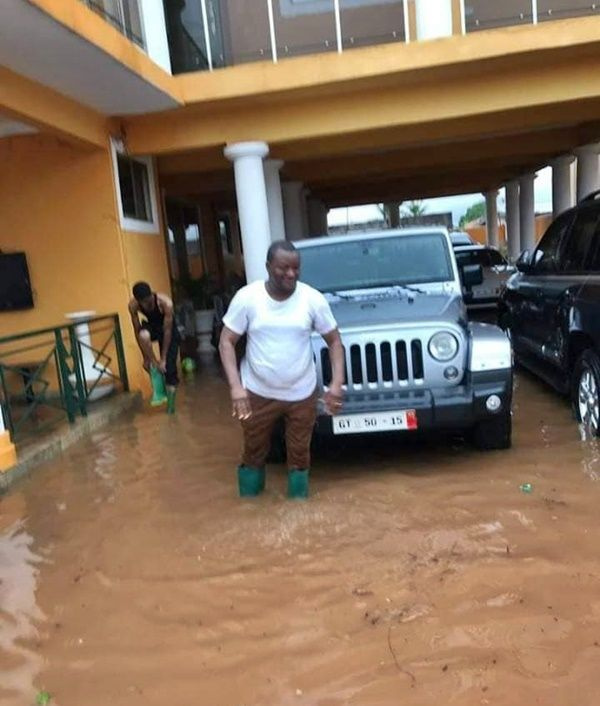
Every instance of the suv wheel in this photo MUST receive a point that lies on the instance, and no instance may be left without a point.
(495, 433)
(585, 391)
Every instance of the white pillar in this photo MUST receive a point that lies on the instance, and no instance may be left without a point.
(434, 18)
(513, 229)
(562, 198)
(253, 210)
(293, 209)
(491, 219)
(93, 370)
(155, 32)
(274, 198)
(588, 173)
(527, 211)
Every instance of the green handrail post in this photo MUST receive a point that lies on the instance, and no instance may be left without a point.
(121, 353)
(64, 376)
(78, 368)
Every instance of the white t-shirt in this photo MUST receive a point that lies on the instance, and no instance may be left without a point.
(279, 361)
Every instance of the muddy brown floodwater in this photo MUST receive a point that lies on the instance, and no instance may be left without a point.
(417, 573)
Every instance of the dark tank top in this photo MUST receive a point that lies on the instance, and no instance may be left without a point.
(155, 318)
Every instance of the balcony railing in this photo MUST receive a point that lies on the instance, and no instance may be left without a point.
(123, 14)
(51, 374)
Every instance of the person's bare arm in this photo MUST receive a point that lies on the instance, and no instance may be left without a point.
(334, 396)
(167, 310)
(239, 396)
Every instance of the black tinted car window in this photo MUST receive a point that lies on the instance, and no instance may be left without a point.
(547, 254)
(582, 237)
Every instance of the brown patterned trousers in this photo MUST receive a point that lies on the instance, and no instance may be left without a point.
(299, 419)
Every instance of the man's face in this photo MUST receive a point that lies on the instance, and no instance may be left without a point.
(147, 303)
(284, 270)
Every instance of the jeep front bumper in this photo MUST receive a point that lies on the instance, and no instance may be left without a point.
(460, 407)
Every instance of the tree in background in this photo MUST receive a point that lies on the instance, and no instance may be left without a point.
(413, 209)
(474, 212)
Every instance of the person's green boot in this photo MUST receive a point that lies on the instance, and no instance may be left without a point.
(171, 392)
(159, 392)
(251, 481)
(298, 484)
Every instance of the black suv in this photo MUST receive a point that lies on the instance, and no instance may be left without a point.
(551, 307)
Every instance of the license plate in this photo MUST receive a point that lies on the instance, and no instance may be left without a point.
(400, 420)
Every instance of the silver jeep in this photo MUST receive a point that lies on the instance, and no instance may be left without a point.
(413, 360)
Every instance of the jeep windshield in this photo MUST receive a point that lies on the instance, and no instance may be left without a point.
(377, 262)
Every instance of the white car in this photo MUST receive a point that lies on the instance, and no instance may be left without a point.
(496, 271)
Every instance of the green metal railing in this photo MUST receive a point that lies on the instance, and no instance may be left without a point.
(53, 373)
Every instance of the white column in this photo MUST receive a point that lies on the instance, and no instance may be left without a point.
(513, 229)
(527, 211)
(155, 32)
(274, 198)
(587, 170)
(293, 209)
(491, 219)
(434, 18)
(253, 209)
(562, 198)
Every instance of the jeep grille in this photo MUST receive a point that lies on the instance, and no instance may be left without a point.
(386, 363)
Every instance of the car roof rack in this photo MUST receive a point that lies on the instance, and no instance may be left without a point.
(590, 197)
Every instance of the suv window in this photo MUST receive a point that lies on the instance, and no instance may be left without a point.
(484, 257)
(580, 240)
(547, 253)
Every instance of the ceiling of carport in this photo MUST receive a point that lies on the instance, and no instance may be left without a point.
(390, 174)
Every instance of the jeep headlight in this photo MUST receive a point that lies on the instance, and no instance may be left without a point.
(443, 346)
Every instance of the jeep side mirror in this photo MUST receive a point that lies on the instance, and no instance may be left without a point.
(472, 275)
(523, 263)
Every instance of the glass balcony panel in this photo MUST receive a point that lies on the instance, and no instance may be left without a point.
(239, 31)
(366, 22)
(560, 9)
(487, 14)
(185, 33)
(304, 27)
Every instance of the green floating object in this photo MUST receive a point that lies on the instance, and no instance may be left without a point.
(526, 487)
(171, 401)
(298, 484)
(43, 698)
(251, 481)
(159, 391)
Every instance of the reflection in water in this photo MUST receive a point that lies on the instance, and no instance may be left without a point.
(19, 665)
(417, 573)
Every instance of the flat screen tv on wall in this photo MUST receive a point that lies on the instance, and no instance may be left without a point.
(15, 287)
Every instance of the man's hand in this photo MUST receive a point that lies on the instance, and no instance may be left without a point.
(333, 399)
(162, 366)
(240, 401)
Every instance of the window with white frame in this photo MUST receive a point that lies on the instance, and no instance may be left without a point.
(136, 191)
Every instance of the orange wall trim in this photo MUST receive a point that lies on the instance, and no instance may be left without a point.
(74, 15)
(48, 110)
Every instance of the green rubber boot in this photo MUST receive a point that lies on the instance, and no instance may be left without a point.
(171, 401)
(251, 481)
(298, 484)
(159, 392)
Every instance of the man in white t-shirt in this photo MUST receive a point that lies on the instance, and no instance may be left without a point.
(277, 378)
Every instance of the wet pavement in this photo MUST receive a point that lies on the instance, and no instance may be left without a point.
(418, 573)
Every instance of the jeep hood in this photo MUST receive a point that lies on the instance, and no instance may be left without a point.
(365, 311)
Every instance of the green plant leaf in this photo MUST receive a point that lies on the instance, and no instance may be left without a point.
(43, 698)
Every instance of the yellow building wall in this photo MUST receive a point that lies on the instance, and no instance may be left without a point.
(58, 205)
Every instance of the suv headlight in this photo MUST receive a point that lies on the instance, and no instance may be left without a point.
(443, 346)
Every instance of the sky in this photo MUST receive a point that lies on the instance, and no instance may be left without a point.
(457, 204)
